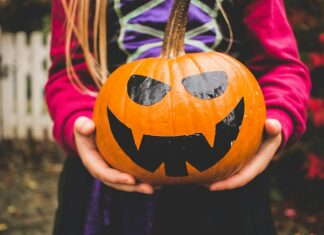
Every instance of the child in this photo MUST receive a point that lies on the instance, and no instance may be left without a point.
(96, 199)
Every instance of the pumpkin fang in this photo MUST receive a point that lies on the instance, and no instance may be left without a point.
(137, 136)
(175, 151)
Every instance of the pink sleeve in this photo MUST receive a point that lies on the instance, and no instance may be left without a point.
(65, 104)
(274, 60)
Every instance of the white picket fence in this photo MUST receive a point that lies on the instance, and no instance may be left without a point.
(24, 65)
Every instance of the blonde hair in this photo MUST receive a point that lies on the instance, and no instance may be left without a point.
(231, 36)
(78, 24)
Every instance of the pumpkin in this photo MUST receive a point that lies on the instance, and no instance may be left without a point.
(180, 118)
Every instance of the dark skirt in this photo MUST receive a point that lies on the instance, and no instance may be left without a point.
(181, 210)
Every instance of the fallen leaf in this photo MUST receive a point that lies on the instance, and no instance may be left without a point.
(311, 219)
(30, 182)
(11, 210)
(3, 227)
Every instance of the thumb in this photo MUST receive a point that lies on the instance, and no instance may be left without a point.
(84, 126)
(272, 127)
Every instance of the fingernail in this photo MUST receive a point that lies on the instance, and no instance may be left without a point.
(276, 122)
(88, 124)
(145, 190)
(214, 188)
(128, 181)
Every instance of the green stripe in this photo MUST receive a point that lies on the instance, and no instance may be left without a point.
(145, 29)
(142, 49)
(117, 7)
(151, 4)
(198, 44)
(199, 30)
(218, 36)
(204, 7)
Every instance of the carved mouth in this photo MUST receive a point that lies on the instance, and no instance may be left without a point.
(175, 151)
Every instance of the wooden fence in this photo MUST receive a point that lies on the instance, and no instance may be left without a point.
(23, 72)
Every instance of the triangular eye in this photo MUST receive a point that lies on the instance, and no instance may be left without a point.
(207, 85)
(146, 91)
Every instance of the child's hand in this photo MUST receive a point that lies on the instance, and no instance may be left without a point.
(260, 161)
(84, 129)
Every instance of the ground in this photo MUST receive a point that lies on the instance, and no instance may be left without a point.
(29, 173)
(28, 187)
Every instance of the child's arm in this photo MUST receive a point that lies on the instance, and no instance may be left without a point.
(275, 61)
(284, 80)
(72, 111)
(65, 104)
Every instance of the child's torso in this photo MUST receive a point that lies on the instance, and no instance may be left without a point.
(136, 28)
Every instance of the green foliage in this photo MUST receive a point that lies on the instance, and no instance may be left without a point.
(307, 19)
(24, 15)
(299, 175)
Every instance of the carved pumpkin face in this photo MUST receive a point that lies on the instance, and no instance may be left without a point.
(191, 119)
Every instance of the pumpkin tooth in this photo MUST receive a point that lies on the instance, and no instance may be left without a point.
(210, 136)
(137, 136)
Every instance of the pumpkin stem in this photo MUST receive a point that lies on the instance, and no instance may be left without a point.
(174, 37)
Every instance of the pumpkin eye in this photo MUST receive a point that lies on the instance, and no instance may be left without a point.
(206, 85)
(146, 91)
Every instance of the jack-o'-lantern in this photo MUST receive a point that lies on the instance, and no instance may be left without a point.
(181, 118)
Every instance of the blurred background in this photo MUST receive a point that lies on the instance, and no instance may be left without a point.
(30, 162)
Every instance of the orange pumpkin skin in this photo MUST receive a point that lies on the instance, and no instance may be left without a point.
(179, 113)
